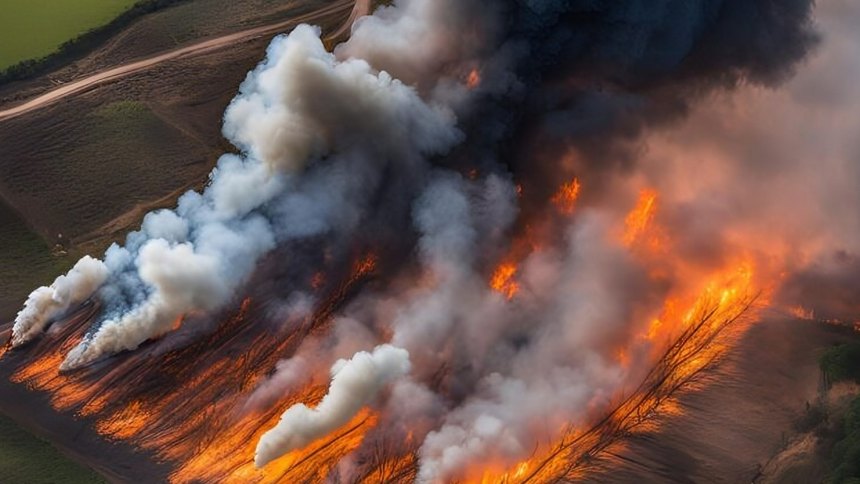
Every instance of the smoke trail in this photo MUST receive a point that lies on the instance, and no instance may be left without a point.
(355, 382)
(311, 362)
(47, 303)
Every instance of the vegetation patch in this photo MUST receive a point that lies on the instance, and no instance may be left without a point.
(27, 262)
(121, 111)
(27, 459)
(31, 29)
(842, 363)
(845, 459)
(38, 37)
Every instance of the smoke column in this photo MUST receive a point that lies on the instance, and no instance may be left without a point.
(354, 383)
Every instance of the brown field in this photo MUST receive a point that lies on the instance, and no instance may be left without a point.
(736, 427)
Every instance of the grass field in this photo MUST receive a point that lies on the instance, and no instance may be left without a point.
(28, 459)
(111, 160)
(26, 263)
(31, 29)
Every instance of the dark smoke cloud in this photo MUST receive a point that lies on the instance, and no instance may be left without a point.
(599, 73)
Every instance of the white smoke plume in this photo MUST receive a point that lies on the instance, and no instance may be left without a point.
(354, 384)
(311, 362)
(300, 106)
(47, 303)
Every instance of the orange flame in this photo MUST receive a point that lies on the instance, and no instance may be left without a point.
(640, 217)
(178, 322)
(566, 197)
(365, 266)
(473, 80)
(503, 280)
(706, 334)
(801, 312)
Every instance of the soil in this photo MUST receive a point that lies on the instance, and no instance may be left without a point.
(742, 420)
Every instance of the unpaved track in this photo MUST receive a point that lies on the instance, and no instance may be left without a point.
(362, 7)
(359, 7)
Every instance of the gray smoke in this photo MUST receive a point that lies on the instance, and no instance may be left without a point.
(516, 382)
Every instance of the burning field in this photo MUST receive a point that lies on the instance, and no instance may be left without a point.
(479, 241)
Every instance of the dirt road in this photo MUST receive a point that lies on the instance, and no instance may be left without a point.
(362, 7)
(359, 7)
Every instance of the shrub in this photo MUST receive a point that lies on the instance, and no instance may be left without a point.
(842, 362)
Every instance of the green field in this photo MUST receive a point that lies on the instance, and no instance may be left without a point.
(32, 29)
(26, 262)
(28, 459)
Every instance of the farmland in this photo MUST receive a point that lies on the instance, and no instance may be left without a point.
(26, 458)
(26, 260)
(81, 173)
(33, 29)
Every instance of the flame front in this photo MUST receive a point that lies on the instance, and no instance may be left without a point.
(503, 280)
(566, 197)
(696, 320)
(638, 221)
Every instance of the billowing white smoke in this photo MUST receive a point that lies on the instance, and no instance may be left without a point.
(181, 279)
(299, 106)
(354, 384)
(183, 272)
(312, 361)
(47, 303)
(416, 39)
(302, 104)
